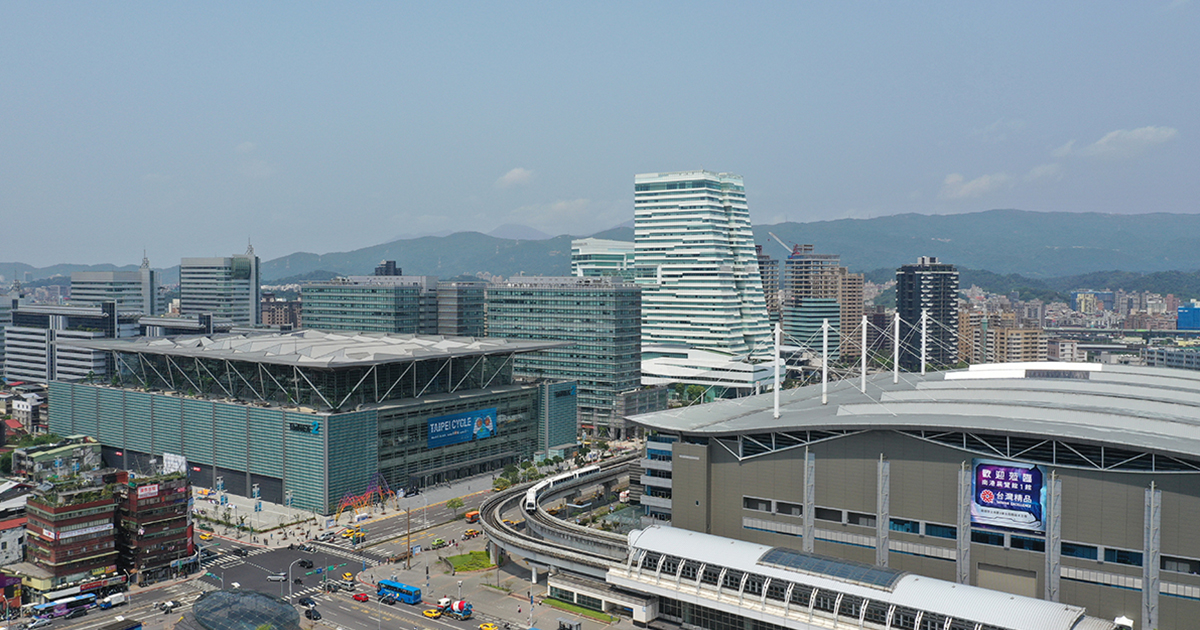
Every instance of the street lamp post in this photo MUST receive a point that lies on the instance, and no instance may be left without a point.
(290, 577)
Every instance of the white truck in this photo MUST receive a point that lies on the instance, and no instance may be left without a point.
(116, 599)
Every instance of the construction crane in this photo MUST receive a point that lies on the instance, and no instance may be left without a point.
(791, 249)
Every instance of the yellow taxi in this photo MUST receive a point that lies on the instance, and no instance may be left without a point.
(487, 626)
(349, 532)
(206, 536)
(349, 577)
(432, 613)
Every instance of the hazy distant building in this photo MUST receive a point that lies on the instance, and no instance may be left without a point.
(601, 257)
(817, 289)
(461, 308)
(696, 264)
(384, 304)
(768, 270)
(597, 318)
(131, 290)
(276, 312)
(229, 288)
(388, 268)
(929, 287)
(39, 341)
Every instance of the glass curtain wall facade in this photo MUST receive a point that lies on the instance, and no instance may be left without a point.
(229, 288)
(931, 287)
(696, 263)
(597, 316)
(387, 304)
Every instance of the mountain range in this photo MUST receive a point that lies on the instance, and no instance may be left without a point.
(1036, 245)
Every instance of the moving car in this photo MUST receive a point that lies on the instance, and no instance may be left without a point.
(470, 533)
(277, 577)
(390, 600)
(438, 543)
(307, 564)
(38, 623)
(311, 613)
(206, 536)
(432, 613)
(240, 551)
(75, 614)
(349, 577)
(306, 601)
(487, 626)
(361, 597)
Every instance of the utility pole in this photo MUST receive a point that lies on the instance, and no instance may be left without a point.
(408, 545)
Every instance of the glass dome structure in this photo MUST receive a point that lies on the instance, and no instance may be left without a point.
(244, 610)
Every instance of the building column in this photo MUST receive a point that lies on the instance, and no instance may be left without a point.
(1053, 537)
(963, 561)
(1151, 557)
(810, 499)
(883, 508)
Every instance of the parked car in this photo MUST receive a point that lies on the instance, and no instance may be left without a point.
(312, 613)
(361, 597)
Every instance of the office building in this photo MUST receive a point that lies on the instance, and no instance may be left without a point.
(928, 287)
(602, 257)
(40, 344)
(136, 291)
(1073, 483)
(381, 303)
(558, 431)
(228, 288)
(280, 313)
(309, 414)
(595, 319)
(696, 264)
(461, 308)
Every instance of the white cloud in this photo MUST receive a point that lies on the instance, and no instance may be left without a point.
(515, 177)
(245, 147)
(1122, 143)
(955, 186)
(1064, 150)
(256, 169)
(1044, 171)
(571, 216)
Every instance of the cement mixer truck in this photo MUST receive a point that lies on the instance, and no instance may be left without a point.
(459, 609)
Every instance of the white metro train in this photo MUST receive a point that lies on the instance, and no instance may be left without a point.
(531, 495)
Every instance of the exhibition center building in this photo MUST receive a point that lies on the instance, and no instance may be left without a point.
(1073, 483)
(307, 417)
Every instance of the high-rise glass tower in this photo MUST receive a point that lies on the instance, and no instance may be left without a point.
(696, 263)
(930, 287)
(229, 288)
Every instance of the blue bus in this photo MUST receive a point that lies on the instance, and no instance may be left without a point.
(66, 605)
(402, 592)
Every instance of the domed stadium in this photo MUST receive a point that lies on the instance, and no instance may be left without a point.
(242, 610)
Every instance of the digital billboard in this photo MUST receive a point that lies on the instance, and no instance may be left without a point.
(1010, 495)
(462, 427)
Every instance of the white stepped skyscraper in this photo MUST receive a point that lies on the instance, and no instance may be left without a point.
(695, 258)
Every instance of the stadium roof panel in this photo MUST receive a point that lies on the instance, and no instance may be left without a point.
(1156, 409)
(314, 348)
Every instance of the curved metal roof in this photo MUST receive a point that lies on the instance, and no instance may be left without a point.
(1154, 409)
(317, 348)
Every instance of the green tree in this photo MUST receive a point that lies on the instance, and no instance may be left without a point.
(6, 463)
(455, 505)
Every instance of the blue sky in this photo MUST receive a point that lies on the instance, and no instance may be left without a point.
(186, 129)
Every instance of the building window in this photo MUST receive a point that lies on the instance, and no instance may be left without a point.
(941, 531)
(906, 526)
(589, 602)
(1073, 550)
(860, 519)
(827, 514)
(1028, 544)
(1121, 556)
(1180, 565)
(987, 538)
(788, 509)
(760, 505)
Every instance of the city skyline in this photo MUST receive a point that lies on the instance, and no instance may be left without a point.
(333, 128)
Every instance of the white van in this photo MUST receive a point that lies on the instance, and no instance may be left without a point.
(277, 577)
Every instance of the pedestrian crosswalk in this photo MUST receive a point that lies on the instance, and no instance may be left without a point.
(344, 550)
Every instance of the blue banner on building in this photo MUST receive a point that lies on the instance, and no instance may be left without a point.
(1011, 495)
(462, 427)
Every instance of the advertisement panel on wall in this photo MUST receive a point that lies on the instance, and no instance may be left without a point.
(1011, 495)
(462, 427)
